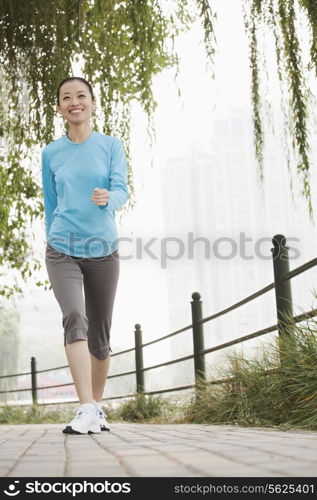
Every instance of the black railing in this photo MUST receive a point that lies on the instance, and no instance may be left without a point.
(285, 319)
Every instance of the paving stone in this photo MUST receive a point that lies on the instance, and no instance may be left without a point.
(135, 451)
(83, 470)
(29, 469)
(157, 450)
(3, 470)
(290, 468)
(154, 465)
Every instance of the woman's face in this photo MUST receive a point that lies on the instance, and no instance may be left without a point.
(75, 102)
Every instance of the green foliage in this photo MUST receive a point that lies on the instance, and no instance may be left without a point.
(123, 44)
(139, 409)
(142, 408)
(251, 29)
(266, 391)
(297, 89)
(310, 7)
(281, 17)
(35, 414)
(208, 17)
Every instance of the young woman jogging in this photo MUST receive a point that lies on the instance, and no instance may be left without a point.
(84, 178)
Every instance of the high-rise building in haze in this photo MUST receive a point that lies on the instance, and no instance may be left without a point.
(213, 195)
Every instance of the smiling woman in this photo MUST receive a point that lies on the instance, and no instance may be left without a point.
(75, 99)
(79, 219)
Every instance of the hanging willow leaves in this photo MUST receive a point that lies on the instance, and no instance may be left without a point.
(208, 17)
(123, 44)
(272, 21)
(298, 92)
(310, 7)
(251, 19)
(280, 15)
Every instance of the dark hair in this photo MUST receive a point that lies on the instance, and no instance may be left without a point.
(75, 78)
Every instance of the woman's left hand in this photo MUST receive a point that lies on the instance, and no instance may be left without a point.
(100, 196)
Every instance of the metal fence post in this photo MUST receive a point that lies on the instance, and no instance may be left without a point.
(283, 290)
(139, 359)
(33, 380)
(198, 337)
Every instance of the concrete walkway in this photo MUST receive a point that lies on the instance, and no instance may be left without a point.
(131, 450)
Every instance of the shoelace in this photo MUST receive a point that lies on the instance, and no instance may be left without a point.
(102, 414)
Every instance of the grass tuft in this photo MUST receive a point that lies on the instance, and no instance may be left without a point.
(277, 389)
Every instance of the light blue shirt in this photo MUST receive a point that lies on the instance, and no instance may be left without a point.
(74, 224)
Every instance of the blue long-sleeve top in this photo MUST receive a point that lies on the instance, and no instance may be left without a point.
(74, 224)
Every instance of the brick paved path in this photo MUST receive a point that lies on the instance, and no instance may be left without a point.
(157, 450)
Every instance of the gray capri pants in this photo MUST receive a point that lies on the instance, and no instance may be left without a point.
(90, 319)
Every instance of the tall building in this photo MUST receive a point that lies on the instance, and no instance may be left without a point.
(212, 194)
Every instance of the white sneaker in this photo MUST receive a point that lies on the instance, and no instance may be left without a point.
(85, 422)
(104, 426)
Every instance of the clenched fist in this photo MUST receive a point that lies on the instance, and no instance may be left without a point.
(100, 196)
